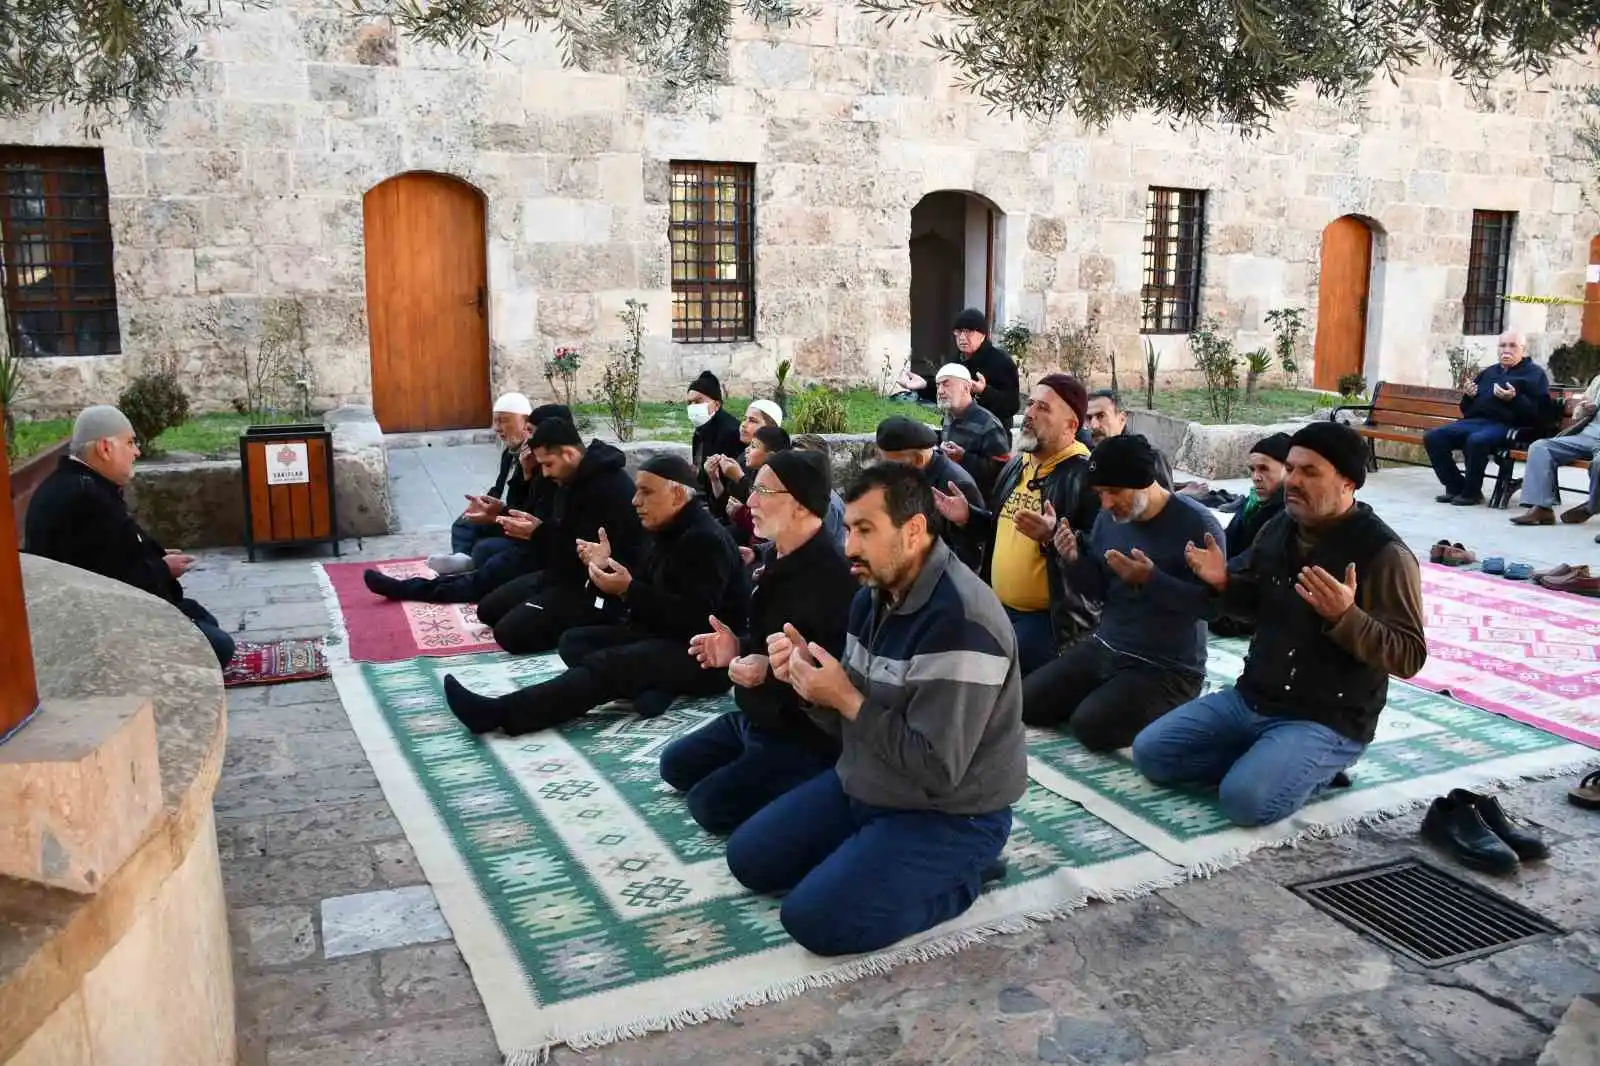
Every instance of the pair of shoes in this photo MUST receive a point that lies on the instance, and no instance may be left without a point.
(1577, 516)
(1476, 830)
(1518, 571)
(1574, 579)
(1447, 554)
(1535, 516)
(451, 563)
(1555, 571)
(1586, 793)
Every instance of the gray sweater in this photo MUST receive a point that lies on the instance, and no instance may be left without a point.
(941, 726)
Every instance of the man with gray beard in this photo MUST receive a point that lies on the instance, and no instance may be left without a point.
(1148, 654)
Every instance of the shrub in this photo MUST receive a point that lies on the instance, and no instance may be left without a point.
(1152, 363)
(1352, 385)
(1075, 349)
(1256, 363)
(619, 381)
(154, 402)
(1017, 339)
(780, 394)
(1288, 325)
(10, 385)
(1216, 358)
(1463, 368)
(820, 410)
(563, 367)
(1575, 364)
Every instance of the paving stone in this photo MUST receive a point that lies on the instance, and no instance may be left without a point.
(425, 981)
(1126, 934)
(1439, 1019)
(1190, 993)
(325, 750)
(307, 593)
(310, 617)
(445, 1042)
(397, 863)
(1238, 899)
(254, 756)
(252, 797)
(1080, 1040)
(1263, 1048)
(1317, 958)
(373, 921)
(1576, 1041)
(1020, 1001)
(312, 998)
(1349, 1033)
(321, 827)
(307, 875)
(272, 721)
(274, 936)
(240, 840)
(1542, 978)
(321, 691)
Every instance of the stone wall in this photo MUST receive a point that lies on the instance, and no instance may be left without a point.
(250, 193)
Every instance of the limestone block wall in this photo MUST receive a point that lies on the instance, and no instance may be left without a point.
(250, 193)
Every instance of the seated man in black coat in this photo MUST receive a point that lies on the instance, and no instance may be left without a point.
(737, 764)
(78, 517)
(691, 571)
(1262, 505)
(916, 444)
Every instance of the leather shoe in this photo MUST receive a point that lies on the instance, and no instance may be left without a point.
(1525, 842)
(1457, 828)
(1467, 501)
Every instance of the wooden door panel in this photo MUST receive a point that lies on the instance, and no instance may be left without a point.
(426, 266)
(1342, 294)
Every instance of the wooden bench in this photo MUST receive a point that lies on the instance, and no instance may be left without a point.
(1403, 413)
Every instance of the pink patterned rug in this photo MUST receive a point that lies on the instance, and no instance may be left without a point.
(1514, 648)
(376, 630)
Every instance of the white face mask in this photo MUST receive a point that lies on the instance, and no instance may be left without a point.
(699, 414)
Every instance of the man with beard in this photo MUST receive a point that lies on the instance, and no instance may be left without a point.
(994, 375)
(1262, 505)
(906, 440)
(733, 766)
(1506, 396)
(1046, 481)
(1106, 419)
(1148, 654)
(927, 707)
(973, 436)
(690, 571)
(1337, 601)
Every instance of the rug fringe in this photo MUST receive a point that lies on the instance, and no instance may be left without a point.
(336, 644)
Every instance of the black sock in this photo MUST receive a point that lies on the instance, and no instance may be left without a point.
(652, 703)
(481, 714)
(1340, 780)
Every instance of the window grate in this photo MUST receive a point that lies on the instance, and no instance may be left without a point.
(1423, 913)
(1483, 308)
(712, 232)
(60, 293)
(1174, 236)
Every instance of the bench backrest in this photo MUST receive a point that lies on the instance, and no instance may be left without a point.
(1414, 407)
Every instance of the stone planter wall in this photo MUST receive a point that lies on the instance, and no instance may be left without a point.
(1217, 452)
(848, 451)
(28, 476)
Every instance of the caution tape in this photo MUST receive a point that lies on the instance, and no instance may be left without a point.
(1564, 301)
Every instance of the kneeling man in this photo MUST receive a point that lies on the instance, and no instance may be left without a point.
(927, 705)
(691, 570)
(78, 517)
(736, 765)
(1337, 601)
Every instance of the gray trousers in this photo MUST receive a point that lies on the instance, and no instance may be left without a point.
(1544, 459)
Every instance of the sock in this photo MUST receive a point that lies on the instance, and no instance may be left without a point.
(652, 703)
(995, 871)
(1340, 780)
(481, 714)
(382, 584)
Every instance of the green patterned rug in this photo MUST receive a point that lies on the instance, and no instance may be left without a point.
(1426, 745)
(589, 905)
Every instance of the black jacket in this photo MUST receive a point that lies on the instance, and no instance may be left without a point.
(512, 485)
(985, 441)
(691, 570)
(80, 518)
(810, 589)
(1001, 393)
(599, 495)
(966, 541)
(1067, 488)
(1533, 392)
(719, 436)
(1242, 530)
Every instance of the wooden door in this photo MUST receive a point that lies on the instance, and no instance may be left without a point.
(1342, 301)
(427, 303)
(937, 277)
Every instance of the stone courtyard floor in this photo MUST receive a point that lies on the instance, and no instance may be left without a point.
(341, 958)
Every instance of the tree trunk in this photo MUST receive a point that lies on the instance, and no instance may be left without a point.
(1249, 384)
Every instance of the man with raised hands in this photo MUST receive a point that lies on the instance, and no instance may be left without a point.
(926, 704)
(735, 765)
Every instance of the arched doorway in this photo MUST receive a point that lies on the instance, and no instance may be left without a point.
(1343, 298)
(427, 303)
(957, 244)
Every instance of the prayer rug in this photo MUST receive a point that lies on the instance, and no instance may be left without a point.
(589, 905)
(1426, 745)
(1514, 648)
(275, 662)
(368, 628)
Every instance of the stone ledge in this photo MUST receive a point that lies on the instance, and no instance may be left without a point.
(1206, 450)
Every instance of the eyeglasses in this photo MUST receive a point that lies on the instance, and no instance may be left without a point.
(765, 490)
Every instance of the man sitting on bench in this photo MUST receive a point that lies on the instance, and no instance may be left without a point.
(1581, 440)
(1503, 397)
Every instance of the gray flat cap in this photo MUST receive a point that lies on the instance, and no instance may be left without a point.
(97, 423)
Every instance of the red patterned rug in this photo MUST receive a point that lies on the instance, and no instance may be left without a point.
(376, 630)
(275, 662)
(1514, 648)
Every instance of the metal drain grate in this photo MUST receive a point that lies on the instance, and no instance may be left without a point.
(1423, 913)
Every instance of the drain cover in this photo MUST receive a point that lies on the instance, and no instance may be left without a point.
(1424, 913)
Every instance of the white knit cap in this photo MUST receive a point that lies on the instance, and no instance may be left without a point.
(953, 370)
(98, 423)
(513, 403)
(770, 409)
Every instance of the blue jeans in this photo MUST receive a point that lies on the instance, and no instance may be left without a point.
(1477, 439)
(731, 769)
(466, 535)
(1545, 457)
(221, 643)
(860, 878)
(1264, 768)
(1036, 639)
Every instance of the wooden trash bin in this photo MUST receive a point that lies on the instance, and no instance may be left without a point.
(19, 695)
(288, 487)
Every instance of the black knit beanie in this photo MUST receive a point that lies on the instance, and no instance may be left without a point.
(1126, 461)
(807, 475)
(707, 385)
(1342, 446)
(550, 410)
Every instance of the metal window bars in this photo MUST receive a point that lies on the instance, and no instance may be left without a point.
(60, 291)
(1174, 235)
(1483, 307)
(711, 229)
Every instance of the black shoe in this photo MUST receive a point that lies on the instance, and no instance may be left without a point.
(481, 714)
(1525, 842)
(1468, 501)
(995, 871)
(1339, 780)
(652, 703)
(1445, 497)
(1457, 828)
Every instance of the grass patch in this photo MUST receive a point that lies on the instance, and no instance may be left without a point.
(670, 421)
(35, 437)
(215, 436)
(1266, 407)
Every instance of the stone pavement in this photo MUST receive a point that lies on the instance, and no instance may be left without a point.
(341, 958)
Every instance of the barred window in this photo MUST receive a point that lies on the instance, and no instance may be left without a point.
(60, 296)
(1174, 233)
(712, 231)
(1483, 308)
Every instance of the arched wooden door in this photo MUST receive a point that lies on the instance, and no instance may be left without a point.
(427, 303)
(1342, 294)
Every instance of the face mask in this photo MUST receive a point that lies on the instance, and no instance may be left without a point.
(699, 414)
